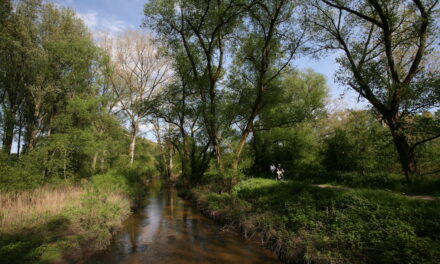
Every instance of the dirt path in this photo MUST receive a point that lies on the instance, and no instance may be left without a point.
(410, 196)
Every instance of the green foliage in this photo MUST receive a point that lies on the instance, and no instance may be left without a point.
(361, 144)
(334, 226)
(86, 222)
(16, 175)
(286, 132)
(130, 181)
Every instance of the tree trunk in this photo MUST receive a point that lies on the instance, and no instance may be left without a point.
(170, 163)
(95, 158)
(184, 157)
(103, 160)
(133, 142)
(257, 159)
(236, 160)
(20, 130)
(64, 168)
(8, 136)
(406, 155)
(30, 138)
(218, 155)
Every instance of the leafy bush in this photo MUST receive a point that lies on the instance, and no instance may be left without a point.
(127, 180)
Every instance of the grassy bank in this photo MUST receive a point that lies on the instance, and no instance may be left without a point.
(306, 224)
(66, 222)
(425, 185)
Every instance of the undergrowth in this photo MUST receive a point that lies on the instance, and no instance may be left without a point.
(306, 224)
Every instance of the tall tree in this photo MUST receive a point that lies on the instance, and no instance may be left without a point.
(202, 28)
(18, 48)
(291, 107)
(138, 75)
(274, 36)
(385, 45)
(181, 108)
(66, 59)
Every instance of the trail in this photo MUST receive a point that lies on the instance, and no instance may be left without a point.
(409, 196)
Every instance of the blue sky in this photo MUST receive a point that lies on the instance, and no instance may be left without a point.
(115, 15)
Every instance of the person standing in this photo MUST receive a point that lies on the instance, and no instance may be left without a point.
(280, 172)
(272, 169)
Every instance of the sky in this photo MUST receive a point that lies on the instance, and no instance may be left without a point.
(114, 16)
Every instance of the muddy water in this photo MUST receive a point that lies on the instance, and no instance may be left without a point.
(171, 230)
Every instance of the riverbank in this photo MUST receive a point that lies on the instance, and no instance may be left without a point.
(64, 223)
(308, 224)
(170, 230)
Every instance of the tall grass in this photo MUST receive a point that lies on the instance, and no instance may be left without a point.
(62, 223)
(34, 207)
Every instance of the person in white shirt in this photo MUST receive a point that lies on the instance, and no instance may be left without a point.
(272, 169)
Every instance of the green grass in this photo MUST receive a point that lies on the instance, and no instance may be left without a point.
(381, 181)
(306, 224)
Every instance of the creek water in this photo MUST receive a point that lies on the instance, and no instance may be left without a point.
(171, 230)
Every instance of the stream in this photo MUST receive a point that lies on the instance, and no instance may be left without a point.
(171, 230)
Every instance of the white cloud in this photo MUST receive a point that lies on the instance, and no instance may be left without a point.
(113, 25)
(103, 25)
(60, 2)
(90, 18)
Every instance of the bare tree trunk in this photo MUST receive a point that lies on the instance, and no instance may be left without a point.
(133, 142)
(170, 162)
(20, 130)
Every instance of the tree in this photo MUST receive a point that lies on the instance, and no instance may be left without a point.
(273, 39)
(356, 141)
(202, 29)
(284, 132)
(385, 45)
(17, 56)
(138, 75)
(181, 111)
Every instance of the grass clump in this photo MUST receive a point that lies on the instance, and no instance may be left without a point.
(51, 223)
(307, 224)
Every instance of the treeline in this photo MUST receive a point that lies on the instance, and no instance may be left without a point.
(62, 112)
(69, 128)
(236, 104)
(216, 83)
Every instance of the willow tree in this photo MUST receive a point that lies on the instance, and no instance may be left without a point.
(18, 35)
(271, 38)
(181, 110)
(384, 50)
(139, 72)
(202, 28)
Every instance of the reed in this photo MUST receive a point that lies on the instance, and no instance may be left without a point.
(30, 208)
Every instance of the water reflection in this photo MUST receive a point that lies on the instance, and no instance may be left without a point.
(171, 230)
